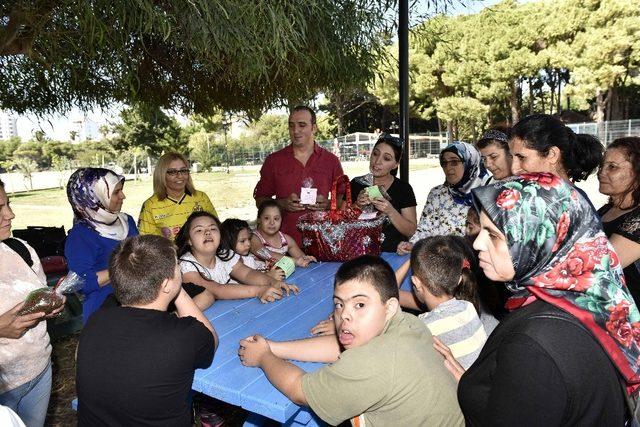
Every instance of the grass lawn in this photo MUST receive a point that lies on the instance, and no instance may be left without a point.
(231, 194)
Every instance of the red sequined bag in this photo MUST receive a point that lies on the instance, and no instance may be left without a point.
(338, 234)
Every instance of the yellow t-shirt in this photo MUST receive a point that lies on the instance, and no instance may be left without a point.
(166, 217)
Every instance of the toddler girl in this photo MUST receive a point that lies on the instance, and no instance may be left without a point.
(238, 233)
(269, 236)
(444, 282)
(207, 261)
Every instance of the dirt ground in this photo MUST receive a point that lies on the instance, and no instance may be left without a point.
(63, 389)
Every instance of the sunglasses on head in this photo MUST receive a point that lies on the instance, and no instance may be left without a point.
(393, 140)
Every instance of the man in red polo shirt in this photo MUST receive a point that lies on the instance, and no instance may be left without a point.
(301, 164)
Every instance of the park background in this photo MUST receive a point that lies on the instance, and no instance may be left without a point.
(214, 80)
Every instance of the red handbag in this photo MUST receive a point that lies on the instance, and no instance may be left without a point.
(339, 234)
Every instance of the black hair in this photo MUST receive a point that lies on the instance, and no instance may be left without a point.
(395, 144)
(225, 251)
(580, 154)
(307, 109)
(232, 227)
(498, 136)
(631, 147)
(268, 203)
(1, 184)
(373, 270)
(439, 263)
(138, 266)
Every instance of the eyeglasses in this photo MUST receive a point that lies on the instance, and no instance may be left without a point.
(453, 163)
(175, 172)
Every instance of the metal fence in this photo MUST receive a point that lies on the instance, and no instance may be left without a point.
(358, 146)
(609, 130)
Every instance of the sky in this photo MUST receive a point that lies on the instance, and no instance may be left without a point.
(59, 126)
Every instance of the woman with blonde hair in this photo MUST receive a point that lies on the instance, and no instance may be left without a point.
(174, 198)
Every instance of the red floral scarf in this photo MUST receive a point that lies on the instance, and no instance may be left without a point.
(562, 256)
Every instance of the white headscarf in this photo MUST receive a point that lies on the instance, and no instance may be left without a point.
(89, 192)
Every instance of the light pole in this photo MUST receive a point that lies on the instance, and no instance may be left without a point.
(225, 127)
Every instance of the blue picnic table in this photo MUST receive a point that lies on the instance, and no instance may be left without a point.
(288, 319)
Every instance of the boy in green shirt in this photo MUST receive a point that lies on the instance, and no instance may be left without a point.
(383, 369)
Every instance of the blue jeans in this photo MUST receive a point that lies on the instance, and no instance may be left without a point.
(31, 399)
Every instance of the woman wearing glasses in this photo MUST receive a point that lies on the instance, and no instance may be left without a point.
(445, 212)
(401, 209)
(96, 197)
(174, 198)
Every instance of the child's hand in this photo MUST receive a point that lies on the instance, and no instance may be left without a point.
(276, 273)
(253, 349)
(450, 362)
(287, 288)
(325, 327)
(404, 248)
(269, 294)
(305, 260)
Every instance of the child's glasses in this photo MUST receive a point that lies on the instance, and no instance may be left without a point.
(175, 172)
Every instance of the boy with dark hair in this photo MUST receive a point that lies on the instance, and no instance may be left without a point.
(384, 370)
(136, 362)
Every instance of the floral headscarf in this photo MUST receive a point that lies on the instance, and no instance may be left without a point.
(475, 174)
(561, 255)
(89, 191)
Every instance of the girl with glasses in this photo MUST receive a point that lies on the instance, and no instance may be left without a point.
(174, 198)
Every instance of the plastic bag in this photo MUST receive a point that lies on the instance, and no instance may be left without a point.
(47, 299)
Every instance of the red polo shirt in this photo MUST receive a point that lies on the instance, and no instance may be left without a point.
(282, 174)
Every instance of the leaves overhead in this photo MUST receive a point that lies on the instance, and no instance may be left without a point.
(192, 56)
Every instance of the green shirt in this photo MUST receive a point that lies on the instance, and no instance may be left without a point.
(395, 379)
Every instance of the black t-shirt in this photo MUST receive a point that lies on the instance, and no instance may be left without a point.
(540, 371)
(402, 196)
(135, 367)
(626, 225)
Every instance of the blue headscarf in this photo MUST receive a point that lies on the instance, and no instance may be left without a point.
(89, 191)
(475, 174)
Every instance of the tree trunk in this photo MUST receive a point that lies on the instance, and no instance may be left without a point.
(558, 95)
(450, 131)
(600, 107)
(530, 95)
(513, 102)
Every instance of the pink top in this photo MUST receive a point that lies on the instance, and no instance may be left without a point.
(284, 246)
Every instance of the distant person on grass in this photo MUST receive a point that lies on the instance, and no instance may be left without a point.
(303, 163)
(383, 368)
(174, 198)
(136, 362)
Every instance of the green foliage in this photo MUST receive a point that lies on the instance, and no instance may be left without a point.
(7, 147)
(149, 128)
(193, 56)
(513, 59)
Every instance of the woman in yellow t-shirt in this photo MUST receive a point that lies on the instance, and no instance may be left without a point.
(174, 198)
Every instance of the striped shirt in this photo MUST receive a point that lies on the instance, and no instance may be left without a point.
(457, 325)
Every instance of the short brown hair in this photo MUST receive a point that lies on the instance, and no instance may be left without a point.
(373, 270)
(139, 265)
(160, 174)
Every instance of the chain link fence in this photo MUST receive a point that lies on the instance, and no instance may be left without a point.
(609, 131)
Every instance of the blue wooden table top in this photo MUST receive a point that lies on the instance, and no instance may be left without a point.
(288, 319)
